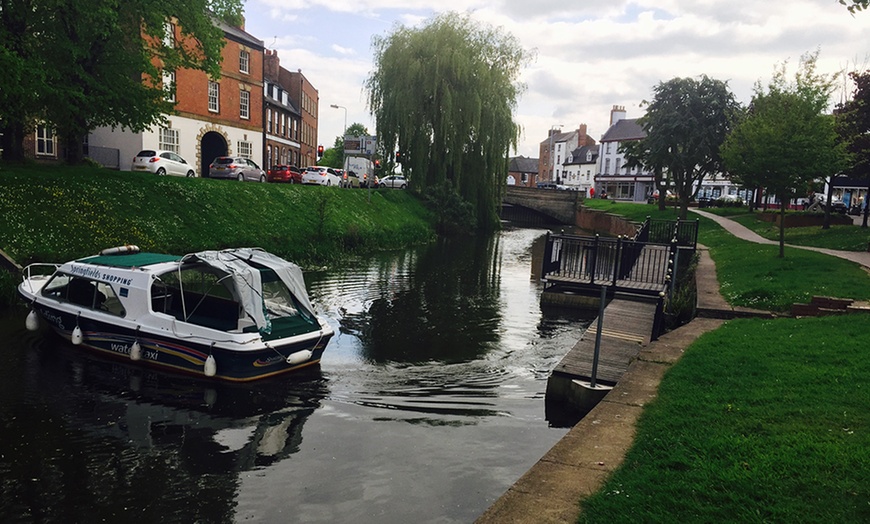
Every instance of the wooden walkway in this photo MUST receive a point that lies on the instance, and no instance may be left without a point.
(627, 327)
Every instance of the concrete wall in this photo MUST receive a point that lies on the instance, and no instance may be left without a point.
(604, 223)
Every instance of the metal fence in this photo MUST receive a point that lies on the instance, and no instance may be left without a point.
(665, 231)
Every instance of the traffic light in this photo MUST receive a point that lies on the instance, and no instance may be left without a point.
(377, 165)
(319, 151)
(398, 157)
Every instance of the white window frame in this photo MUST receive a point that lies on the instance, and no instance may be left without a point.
(244, 104)
(169, 35)
(214, 96)
(244, 62)
(46, 141)
(169, 85)
(245, 149)
(169, 140)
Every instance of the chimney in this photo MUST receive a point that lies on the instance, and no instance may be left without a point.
(617, 114)
(271, 65)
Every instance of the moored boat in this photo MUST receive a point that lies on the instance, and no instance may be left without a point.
(236, 314)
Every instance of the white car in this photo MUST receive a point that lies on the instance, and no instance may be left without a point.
(324, 176)
(162, 163)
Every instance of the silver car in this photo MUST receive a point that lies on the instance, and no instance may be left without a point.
(161, 163)
(236, 167)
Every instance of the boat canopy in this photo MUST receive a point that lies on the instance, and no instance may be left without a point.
(243, 265)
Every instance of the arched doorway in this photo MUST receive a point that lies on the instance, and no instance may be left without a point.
(213, 145)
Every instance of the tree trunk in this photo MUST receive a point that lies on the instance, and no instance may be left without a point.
(782, 204)
(74, 152)
(826, 224)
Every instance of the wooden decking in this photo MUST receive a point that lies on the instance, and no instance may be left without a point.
(627, 327)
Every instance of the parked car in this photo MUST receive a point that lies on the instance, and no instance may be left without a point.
(350, 180)
(837, 206)
(236, 167)
(288, 174)
(162, 163)
(324, 176)
(394, 181)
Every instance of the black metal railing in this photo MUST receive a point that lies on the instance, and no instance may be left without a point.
(618, 262)
(665, 231)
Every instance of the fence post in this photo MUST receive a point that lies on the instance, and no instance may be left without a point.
(594, 260)
(617, 266)
(546, 264)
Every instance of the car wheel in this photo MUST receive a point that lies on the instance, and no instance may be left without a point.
(383, 185)
(241, 177)
(161, 171)
(191, 174)
(262, 178)
(403, 186)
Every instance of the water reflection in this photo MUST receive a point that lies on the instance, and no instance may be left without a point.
(87, 439)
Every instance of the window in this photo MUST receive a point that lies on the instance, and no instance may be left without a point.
(244, 61)
(169, 85)
(606, 166)
(244, 149)
(214, 96)
(45, 141)
(245, 104)
(618, 165)
(607, 148)
(84, 292)
(168, 139)
(169, 35)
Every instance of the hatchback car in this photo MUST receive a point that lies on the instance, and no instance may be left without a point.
(350, 179)
(288, 174)
(161, 163)
(238, 168)
(324, 176)
(394, 181)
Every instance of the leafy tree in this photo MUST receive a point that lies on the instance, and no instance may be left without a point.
(853, 126)
(685, 125)
(855, 5)
(786, 141)
(101, 62)
(444, 95)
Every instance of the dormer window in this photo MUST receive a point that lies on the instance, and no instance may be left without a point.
(589, 156)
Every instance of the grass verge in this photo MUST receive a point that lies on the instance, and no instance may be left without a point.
(55, 214)
(760, 421)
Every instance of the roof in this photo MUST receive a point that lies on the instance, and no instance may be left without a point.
(626, 129)
(560, 137)
(521, 164)
(578, 156)
(239, 35)
(131, 260)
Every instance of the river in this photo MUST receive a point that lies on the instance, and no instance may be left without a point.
(428, 404)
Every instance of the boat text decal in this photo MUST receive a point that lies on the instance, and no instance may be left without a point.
(96, 274)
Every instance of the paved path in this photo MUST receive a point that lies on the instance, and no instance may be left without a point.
(745, 233)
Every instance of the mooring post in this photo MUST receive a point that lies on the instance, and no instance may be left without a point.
(598, 336)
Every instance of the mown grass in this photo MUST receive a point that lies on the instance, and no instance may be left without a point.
(760, 421)
(844, 238)
(55, 214)
(752, 275)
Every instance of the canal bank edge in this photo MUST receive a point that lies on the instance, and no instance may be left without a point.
(580, 463)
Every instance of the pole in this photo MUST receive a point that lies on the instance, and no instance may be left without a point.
(598, 337)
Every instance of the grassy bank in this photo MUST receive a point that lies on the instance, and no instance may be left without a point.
(55, 214)
(760, 420)
(752, 275)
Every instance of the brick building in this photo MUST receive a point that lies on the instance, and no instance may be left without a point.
(555, 149)
(213, 117)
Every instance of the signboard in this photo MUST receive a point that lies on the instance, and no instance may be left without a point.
(360, 145)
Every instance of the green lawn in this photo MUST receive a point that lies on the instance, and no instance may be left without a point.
(760, 421)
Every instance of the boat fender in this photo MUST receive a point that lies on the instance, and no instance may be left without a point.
(210, 366)
(299, 357)
(77, 336)
(32, 321)
(136, 351)
(120, 250)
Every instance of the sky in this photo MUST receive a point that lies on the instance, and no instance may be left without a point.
(588, 57)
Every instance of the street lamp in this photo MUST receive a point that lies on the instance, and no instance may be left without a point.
(551, 152)
(344, 129)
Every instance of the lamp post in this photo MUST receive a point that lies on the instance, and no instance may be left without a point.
(344, 129)
(551, 152)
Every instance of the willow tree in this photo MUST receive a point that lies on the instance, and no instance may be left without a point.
(444, 95)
